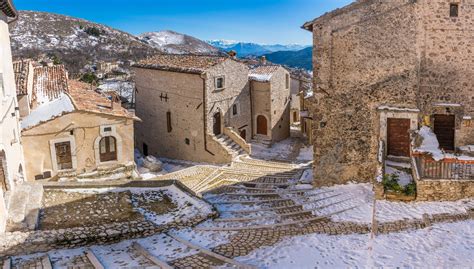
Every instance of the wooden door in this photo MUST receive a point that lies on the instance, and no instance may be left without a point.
(63, 155)
(108, 149)
(295, 116)
(262, 125)
(217, 124)
(3, 178)
(444, 128)
(398, 137)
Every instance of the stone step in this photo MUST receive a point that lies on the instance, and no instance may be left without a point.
(25, 204)
(145, 253)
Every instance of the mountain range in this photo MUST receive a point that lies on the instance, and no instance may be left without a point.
(77, 42)
(244, 49)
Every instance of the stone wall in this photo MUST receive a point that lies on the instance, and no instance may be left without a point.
(280, 105)
(21, 243)
(401, 53)
(363, 59)
(444, 190)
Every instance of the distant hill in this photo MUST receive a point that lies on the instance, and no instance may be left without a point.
(297, 59)
(75, 42)
(173, 42)
(244, 49)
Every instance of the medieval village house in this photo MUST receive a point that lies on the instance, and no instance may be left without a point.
(11, 156)
(193, 107)
(383, 69)
(270, 89)
(300, 82)
(74, 130)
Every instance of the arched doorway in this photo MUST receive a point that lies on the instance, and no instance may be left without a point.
(3, 172)
(262, 125)
(217, 123)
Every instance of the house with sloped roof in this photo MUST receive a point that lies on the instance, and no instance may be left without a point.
(73, 131)
(193, 107)
(270, 98)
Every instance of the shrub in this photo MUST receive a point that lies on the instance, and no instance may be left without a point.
(390, 183)
(89, 78)
(93, 31)
(410, 189)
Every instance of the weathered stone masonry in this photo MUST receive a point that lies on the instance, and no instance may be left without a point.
(372, 53)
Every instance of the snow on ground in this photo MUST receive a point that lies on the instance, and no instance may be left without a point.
(169, 166)
(441, 246)
(204, 239)
(306, 154)
(187, 207)
(404, 178)
(47, 111)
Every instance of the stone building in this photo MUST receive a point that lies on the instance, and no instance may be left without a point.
(193, 107)
(270, 97)
(381, 70)
(300, 82)
(73, 131)
(11, 156)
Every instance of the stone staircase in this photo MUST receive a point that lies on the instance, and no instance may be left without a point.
(262, 140)
(24, 204)
(233, 148)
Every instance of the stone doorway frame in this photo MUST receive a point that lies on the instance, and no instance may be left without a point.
(395, 112)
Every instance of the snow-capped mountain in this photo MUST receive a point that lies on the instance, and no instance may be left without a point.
(173, 42)
(247, 48)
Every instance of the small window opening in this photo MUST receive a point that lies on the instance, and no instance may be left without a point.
(220, 83)
(145, 149)
(454, 10)
(235, 110)
(287, 78)
(187, 141)
(168, 122)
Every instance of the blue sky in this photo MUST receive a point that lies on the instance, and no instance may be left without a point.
(263, 21)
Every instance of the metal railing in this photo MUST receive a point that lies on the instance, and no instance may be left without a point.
(448, 169)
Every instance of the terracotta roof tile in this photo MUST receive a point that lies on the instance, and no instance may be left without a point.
(22, 70)
(8, 8)
(49, 82)
(85, 98)
(181, 63)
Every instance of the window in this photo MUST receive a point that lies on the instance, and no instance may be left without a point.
(454, 10)
(168, 122)
(145, 149)
(220, 83)
(235, 109)
(108, 149)
(287, 80)
(187, 141)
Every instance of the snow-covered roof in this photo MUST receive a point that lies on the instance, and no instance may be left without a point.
(48, 111)
(263, 73)
(195, 64)
(49, 83)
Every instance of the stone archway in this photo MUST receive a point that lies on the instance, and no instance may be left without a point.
(262, 125)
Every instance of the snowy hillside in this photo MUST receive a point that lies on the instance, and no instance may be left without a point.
(173, 42)
(74, 41)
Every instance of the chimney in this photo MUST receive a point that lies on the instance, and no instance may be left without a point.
(263, 60)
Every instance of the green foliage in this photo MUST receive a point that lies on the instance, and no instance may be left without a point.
(89, 78)
(93, 31)
(56, 60)
(410, 189)
(390, 183)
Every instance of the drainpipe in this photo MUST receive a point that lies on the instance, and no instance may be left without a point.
(251, 110)
(204, 108)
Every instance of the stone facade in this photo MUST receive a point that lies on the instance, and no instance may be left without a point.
(11, 155)
(410, 56)
(191, 102)
(443, 190)
(271, 99)
(83, 130)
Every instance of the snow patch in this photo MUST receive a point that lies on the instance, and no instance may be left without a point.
(48, 111)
